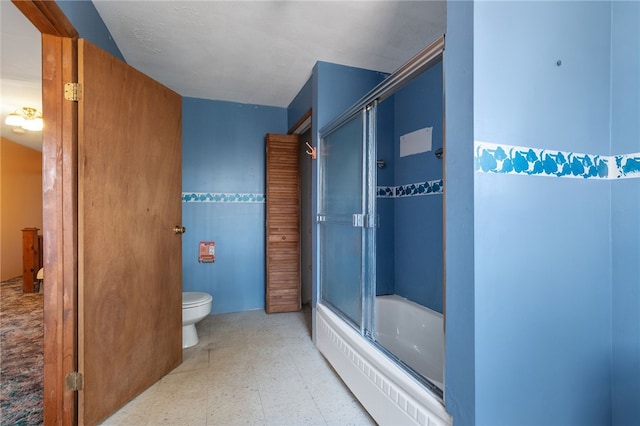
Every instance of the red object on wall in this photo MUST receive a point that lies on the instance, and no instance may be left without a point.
(207, 252)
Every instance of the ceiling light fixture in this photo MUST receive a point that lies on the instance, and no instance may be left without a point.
(26, 118)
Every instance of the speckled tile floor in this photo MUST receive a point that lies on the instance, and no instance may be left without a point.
(249, 368)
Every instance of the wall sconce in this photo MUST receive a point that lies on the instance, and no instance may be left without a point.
(26, 118)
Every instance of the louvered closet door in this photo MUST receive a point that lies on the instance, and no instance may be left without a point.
(283, 224)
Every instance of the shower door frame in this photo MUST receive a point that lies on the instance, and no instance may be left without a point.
(364, 219)
(367, 107)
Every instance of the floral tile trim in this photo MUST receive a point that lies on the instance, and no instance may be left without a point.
(221, 197)
(494, 158)
(431, 187)
(386, 191)
(628, 165)
(532, 161)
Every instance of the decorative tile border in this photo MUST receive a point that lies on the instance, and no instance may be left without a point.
(410, 190)
(508, 159)
(432, 187)
(386, 191)
(489, 158)
(628, 165)
(221, 197)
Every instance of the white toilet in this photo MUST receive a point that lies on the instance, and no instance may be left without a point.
(195, 306)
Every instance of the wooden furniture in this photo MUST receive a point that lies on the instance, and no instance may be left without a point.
(31, 258)
(282, 224)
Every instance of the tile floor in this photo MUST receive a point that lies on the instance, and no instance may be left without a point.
(249, 368)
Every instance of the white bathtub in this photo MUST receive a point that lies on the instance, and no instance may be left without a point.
(390, 394)
(413, 333)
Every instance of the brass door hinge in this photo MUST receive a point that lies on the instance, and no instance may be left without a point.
(74, 381)
(73, 92)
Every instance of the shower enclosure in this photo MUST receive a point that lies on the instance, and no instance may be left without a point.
(380, 220)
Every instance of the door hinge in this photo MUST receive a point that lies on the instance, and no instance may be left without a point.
(74, 381)
(73, 92)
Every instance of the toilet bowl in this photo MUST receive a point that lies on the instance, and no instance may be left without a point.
(195, 306)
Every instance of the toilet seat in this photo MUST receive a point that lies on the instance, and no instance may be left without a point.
(192, 299)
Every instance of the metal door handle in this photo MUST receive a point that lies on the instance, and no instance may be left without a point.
(179, 229)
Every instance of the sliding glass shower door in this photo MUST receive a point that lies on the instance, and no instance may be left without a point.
(380, 259)
(345, 220)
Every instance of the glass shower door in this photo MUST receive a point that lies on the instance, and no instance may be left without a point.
(341, 218)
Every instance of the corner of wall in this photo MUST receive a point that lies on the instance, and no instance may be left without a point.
(300, 103)
(460, 382)
(87, 21)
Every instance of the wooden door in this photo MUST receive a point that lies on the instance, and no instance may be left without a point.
(283, 224)
(129, 259)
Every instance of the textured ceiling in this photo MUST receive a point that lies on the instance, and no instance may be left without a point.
(20, 71)
(256, 52)
(262, 52)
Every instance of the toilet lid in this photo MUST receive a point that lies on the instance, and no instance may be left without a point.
(195, 298)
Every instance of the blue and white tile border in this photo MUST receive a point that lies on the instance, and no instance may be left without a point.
(431, 187)
(628, 165)
(489, 158)
(222, 197)
(410, 190)
(509, 159)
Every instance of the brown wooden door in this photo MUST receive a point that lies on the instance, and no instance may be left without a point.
(129, 259)
(283, 224)
(60, 214)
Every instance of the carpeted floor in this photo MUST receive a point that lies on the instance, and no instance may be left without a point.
(21, 355)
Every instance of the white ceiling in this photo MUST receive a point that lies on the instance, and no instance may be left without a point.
(20, 71)
(256, 52)
(262, 52)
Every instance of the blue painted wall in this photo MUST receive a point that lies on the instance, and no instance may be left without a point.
(300, 103)
(224, 152)
(86, 20)
(554, 343)
(542, 263)
(337, 87)
(385, 235)
(625, 211)
(460, 369)
(409, 233)
(418, 219)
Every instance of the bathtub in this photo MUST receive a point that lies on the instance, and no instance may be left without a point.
(413, 333)
(390, 394)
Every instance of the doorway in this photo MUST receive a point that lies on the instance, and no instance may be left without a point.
(65, 251)
(21, 317)
(306, 222)
(303, 127)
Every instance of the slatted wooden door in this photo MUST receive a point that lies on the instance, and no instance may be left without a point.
(283, 224)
